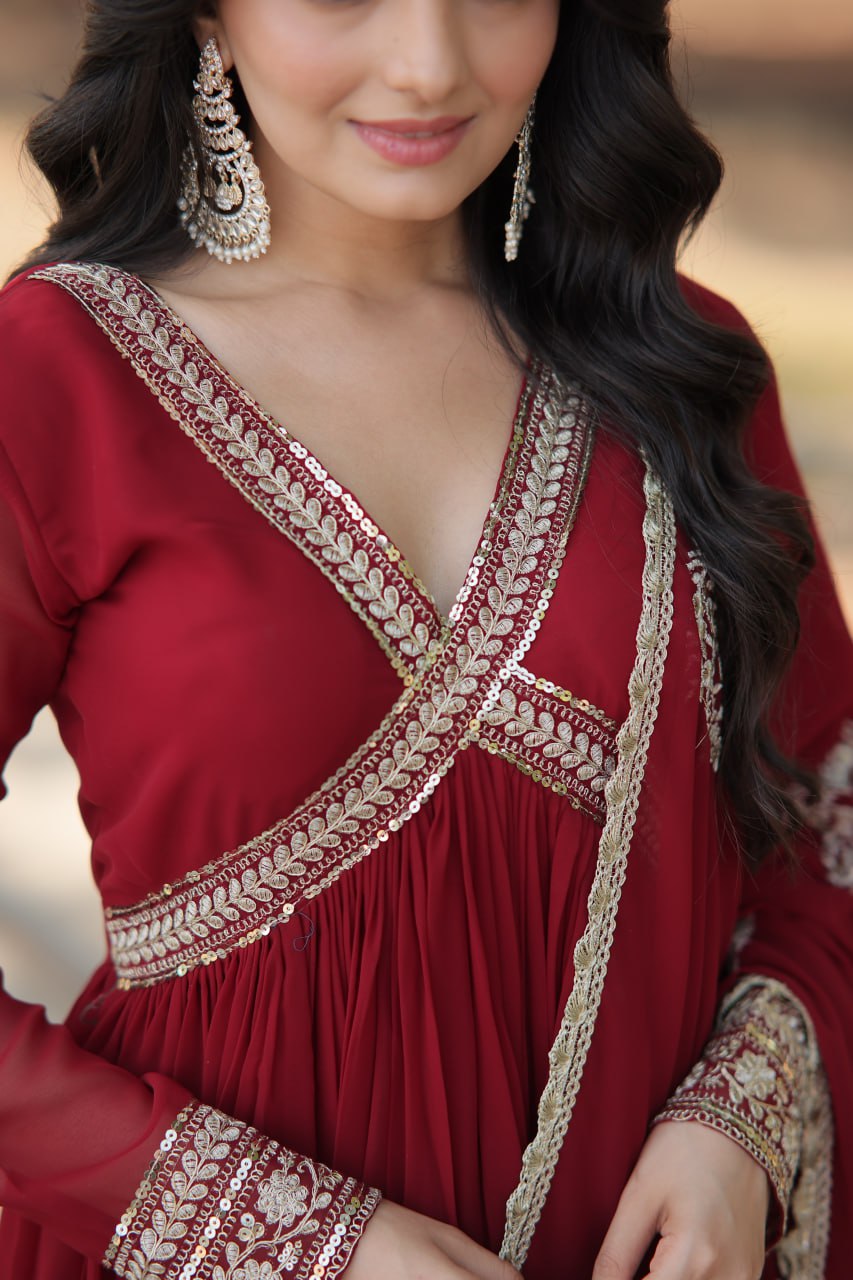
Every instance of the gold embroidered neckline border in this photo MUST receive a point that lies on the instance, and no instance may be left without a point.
(279, 476)
(204, 357)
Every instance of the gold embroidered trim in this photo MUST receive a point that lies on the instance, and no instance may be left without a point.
(803, 1251)
(242, 895)
(222, 1202)
(539, 683)
(744, 1084)
(833, 812)
(566, 750)
(274, 471)
(592, 952)
(544, 779)
(705, 609)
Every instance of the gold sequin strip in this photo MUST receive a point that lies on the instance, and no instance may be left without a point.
(241, 896)
(569, 1052)
(274, 471)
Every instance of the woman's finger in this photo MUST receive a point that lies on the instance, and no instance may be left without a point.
(632, 1230)
(677, 1258)
(471, 1255)
(451, 1270)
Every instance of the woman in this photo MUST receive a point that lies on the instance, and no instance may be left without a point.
(377, 999)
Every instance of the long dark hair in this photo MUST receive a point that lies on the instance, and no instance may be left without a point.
(621, 173)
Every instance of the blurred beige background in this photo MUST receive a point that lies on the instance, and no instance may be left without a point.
(772, 82)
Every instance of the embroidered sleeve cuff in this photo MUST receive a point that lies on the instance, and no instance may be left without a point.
(754, 1083)
(222, 1202)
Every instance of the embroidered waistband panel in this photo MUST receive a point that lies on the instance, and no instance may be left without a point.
(540, 729)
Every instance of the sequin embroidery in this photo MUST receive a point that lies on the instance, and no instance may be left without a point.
(240, 896)
(275, 472)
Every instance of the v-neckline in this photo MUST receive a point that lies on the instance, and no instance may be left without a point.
(341, 492)
(286, 484)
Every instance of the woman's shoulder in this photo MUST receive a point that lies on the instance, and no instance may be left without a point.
(60, 375)
(63, 389)
(31, 297)
(73, 421)
(765, 440)
(713, 307)
(48, 344)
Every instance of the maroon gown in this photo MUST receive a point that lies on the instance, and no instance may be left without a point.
(448, 906)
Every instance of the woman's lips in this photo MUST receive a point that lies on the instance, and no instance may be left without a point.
(413, 142)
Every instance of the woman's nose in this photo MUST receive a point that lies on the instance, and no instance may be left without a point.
(425, 48)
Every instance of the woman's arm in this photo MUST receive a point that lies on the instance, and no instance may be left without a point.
(77, 1133)
(775, 1078)
(136, 1172)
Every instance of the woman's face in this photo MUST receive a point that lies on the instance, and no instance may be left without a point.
(337, 88)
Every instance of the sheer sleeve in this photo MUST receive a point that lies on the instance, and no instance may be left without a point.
(74, 1131)
(776, 1075)
(78, 1135)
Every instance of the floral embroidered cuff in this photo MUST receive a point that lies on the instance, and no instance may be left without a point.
(222, 1202)
(754, 1084)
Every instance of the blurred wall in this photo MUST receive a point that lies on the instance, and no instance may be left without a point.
(771, 82)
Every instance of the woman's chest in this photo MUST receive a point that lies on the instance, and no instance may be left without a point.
(413, 420)
(255, 613)
(270, 622)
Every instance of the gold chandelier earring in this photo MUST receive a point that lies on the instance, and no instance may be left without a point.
(522, 195)
(223, 205)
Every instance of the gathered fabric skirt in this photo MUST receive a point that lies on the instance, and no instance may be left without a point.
(398, 1028)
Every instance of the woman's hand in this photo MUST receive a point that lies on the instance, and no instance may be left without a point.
(707, 1199)
(399, 1244)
